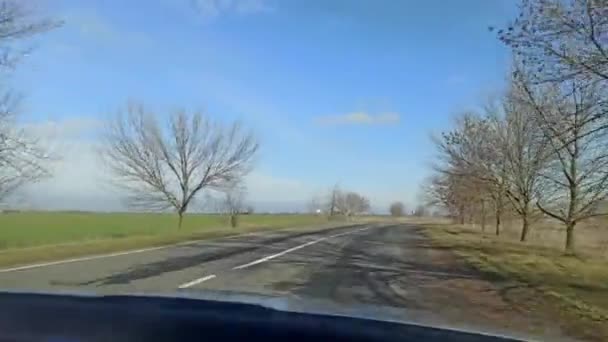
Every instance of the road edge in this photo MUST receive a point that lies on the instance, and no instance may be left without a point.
(97, 249)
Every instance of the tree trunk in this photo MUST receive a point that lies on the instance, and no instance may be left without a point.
(234, 221)
(570, 237)
(180, 219)
(497, 213)
(524, 228)
(461, 214)
(497, 223)
(483, 216)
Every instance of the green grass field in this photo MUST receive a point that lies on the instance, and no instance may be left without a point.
(39, 236)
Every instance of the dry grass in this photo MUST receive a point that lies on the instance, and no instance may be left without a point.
(591, 236)
(579, 284)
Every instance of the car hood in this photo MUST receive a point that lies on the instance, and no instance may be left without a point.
(291, 303)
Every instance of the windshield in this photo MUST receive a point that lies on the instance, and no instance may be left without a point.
(444, 163)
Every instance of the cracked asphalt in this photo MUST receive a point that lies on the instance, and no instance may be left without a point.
(380, 270)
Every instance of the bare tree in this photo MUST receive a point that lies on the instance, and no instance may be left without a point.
(234, 203)
(451, 192)
(167, 166)
(526, 153)
(499, 156)
(18, 21)
(346, 203)
(576, 181)
(397, 209)
(542, 146)
(21, 157)
(561, 40)
(470, 154)
(496, 192)
(420, 210)
(351, 203)
(332, 200)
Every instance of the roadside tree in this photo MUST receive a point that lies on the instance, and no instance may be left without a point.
(234, 203)
(575, 182)
(352, 203)
(526, 151)
(397, 209)
(166, 164)
(562, 41)
(22, 157)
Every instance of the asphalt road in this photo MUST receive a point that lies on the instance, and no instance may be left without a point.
(374, 269)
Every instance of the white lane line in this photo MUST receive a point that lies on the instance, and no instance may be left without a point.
(209, 277)
(67, 261)
(142, 250)
(270, 257)
(277, 255)
(196, 281)
(101, 256)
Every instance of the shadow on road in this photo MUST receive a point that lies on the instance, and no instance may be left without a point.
(206, 253)
(382, 267)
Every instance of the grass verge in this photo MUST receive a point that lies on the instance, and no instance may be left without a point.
(38, 237)
(579, 285)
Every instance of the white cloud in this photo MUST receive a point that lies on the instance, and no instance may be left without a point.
(359, 118)
(64, 130)
(78, 179)
(92, 26)
(216, 8)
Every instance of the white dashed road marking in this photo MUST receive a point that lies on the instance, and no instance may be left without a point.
(101, 256)
(270, 257)
(196, 281)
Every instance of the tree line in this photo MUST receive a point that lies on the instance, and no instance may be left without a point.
(339, 202)
(540, 149)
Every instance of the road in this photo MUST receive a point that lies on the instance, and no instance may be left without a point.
(380, 268)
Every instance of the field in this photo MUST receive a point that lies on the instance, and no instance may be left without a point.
(39, 236)
(577, 285)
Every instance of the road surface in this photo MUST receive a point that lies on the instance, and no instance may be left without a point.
(389, 268)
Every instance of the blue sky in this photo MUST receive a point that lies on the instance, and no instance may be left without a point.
(337, 91)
